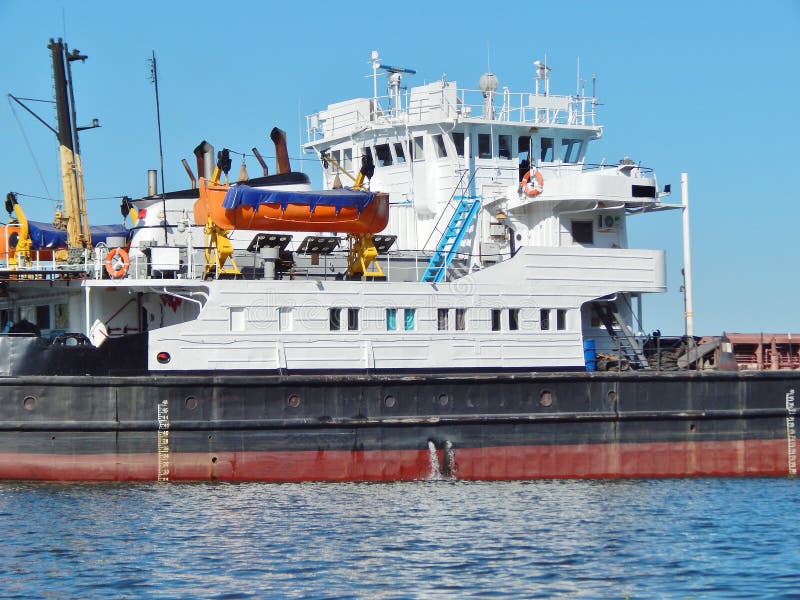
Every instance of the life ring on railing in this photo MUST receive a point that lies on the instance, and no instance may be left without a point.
(535, 188)
(117, 263)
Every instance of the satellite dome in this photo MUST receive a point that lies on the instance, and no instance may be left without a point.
(488, 82)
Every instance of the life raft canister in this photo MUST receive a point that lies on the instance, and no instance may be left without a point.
(535, 187)
(117, 263)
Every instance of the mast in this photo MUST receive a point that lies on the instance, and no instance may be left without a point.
(71, 171)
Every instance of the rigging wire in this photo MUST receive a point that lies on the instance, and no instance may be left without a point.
(30, 150)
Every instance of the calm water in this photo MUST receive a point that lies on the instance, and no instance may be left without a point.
(700, 538)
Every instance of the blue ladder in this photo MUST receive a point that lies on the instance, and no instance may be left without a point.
(460, 222)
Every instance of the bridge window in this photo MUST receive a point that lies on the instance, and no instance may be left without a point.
(570, 150)
(504, 146)
(438, 142)
(285, 318)
(399, 152)
(347, 159)
(417, 149)
(546, 153)
(383, 155)
(458, 141)
(513, 319)
(484, 145)
(391, 319)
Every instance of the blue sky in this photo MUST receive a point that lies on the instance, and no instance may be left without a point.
(703, 87)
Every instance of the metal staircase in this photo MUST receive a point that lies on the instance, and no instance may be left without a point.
(465, 210)
(629, 346)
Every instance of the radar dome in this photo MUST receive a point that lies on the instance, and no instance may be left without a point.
(488, 82)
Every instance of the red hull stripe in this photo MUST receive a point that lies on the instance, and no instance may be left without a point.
(681, 459)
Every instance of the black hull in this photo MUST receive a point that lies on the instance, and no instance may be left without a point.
(392, 427)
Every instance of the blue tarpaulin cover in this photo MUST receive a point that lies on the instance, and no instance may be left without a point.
(239, 195)
(44, 235)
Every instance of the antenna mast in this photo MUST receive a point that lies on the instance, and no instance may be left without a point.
(154, 80)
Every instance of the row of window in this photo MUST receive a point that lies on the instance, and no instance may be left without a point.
(488, 146)
(446, 319)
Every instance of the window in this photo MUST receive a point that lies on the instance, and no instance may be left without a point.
(458, 141)
(352, 319)
(461, 319)
(383, 155)
(570, 149)
(43, 317)
(443, 314)
(438, 143)
(583, 232)
(561, 319)
(513, 319)
(496, 319)
(391, 319)
(408, 319)
(418, 148)
(504, 146)
(347, 159)
(367, 153)
(335, 318)
(546, 154)
(237, 318)
(336, 155)
(399, 152)
(484, 145)
(285, 318)
(544, 319)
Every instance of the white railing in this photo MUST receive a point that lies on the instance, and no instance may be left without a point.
(501, 106)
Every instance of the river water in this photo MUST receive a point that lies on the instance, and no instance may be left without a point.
(698, 538)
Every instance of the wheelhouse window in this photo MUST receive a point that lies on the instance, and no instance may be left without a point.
(546, 149)
(337, 157)
(285, 318)
(513, 319)
(417, 149)
(484, 145)
(458, 141)
(570, 150)
(347, 159)
(391, 319)
(438, 143)
(504, 146)
(366, 152)
(443, 315)
(383, 155)
(399, 152)
(583, 232)
(335, 319)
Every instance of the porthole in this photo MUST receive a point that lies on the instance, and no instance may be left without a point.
(612, 396)
(389, 401)
(191, 402)
(546, 398)
(443, 399)
(29, 403)
(293, 401)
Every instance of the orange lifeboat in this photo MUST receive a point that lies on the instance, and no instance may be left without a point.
(242, 207)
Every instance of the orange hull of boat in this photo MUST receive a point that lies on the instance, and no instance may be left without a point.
(296, 217)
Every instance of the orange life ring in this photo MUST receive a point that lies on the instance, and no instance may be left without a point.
(117, 263)
(533, 189)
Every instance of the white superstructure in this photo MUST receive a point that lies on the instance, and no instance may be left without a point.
(506, 249)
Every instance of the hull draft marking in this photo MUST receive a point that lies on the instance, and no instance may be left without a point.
(163, 440)
(791, 434)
